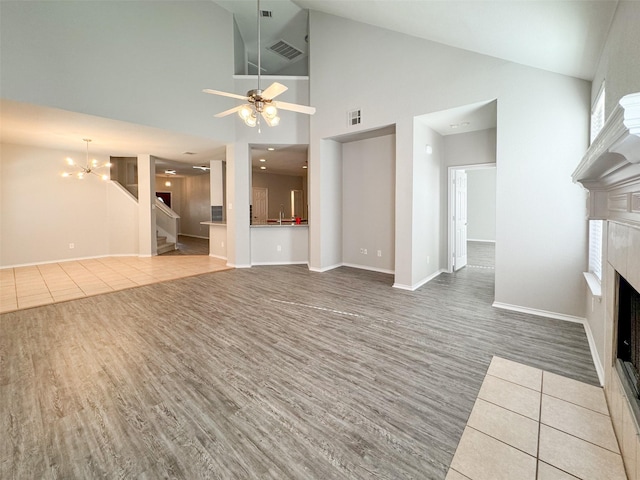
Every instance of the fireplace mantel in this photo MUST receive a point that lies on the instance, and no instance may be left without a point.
(610, 169)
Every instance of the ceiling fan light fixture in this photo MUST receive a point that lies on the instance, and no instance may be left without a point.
(251, 121)
(245, 112)
(270, 111)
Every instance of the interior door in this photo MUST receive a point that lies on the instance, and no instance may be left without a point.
(460, 220)
(260, 205)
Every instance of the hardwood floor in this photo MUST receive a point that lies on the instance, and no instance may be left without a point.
(268, 372)
(190, 246)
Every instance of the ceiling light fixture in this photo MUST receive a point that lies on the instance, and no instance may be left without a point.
(204, 168)
(271, 149)
(170, 172)
(262, 167)
(89, 168)
(167, 183)
(263, 159)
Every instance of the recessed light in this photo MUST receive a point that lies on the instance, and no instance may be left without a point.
(263, 167)
(271, 149)
(263, 159)
(454, 125)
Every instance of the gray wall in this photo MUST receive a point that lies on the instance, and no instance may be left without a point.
(141, 62)
(543, 132)
(368, 196)
(481, 204)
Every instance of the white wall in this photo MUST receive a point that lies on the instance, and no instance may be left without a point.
(620, 62)
(279, 245)
(368, 201)
(481, 204)
(542, 134)
(325, 205)
(141, 62)
(426, 205)
(42, 213)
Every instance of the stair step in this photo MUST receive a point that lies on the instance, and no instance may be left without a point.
(166, 247)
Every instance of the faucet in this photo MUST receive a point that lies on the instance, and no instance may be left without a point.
(281, 214)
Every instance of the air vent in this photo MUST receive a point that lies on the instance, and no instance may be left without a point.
(188, 153)
(266, 13)
(285, 50)
(354, 117)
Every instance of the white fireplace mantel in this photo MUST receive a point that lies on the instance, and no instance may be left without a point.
(610, 169)
(616, 148)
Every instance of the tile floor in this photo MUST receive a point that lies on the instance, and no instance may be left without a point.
(25, 287)
(532, 424)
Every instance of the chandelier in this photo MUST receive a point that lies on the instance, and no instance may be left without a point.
(90, 167)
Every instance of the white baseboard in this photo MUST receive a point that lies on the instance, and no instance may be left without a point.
(75, 259)
(480, 240)
(540, 313)
(193, 236)
(275, 264)
(371, 269)
(220, 257)
(324, 269)
(420, 283)
(233, 265)
(594, 353)
(597, 363)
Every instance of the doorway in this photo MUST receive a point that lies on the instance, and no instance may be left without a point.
(471, 216)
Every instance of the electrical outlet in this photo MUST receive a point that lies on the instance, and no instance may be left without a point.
(72, 246)
(362, 250)
(279, 248)
(379, 253)
(365, 251)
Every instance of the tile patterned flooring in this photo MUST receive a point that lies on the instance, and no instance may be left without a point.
(32, 286)
(532, 424)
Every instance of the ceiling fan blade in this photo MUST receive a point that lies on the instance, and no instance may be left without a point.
(274, 90)
(224, 94)
(295, 107)
(228, 112)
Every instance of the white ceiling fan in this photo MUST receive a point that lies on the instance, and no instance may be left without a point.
(261, 103)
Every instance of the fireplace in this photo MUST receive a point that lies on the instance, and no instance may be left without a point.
(629, 334)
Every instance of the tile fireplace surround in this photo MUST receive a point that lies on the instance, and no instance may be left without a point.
(610, 170)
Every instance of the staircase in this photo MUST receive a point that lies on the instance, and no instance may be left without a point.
(163, 245)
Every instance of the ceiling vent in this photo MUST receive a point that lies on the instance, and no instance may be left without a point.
(285, 50)
(354, 117)
(266, 13)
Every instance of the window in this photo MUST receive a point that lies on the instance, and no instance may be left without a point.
(595, 248)
(597, 114)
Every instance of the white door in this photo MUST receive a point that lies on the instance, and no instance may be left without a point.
(460, 220)
(260, 205)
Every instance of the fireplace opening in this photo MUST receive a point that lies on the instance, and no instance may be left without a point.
(629, 333)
